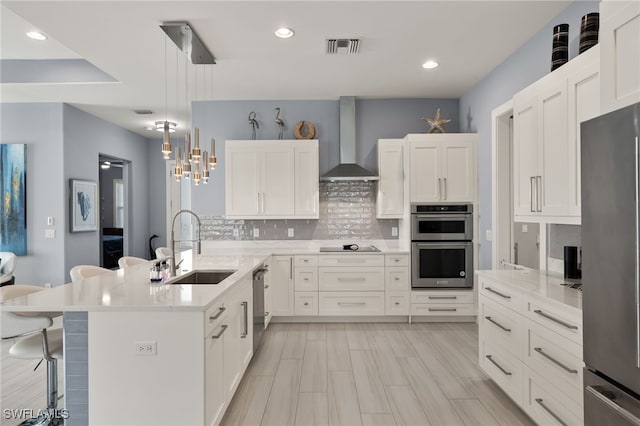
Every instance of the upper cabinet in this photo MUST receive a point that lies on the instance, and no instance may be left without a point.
(443, 167)
(390, 203)
(271, 179)
(546, 152)
(620, 61)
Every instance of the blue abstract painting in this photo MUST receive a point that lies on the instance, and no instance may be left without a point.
(13, 182)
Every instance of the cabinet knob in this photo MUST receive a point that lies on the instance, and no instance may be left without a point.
(306, 279)
(396, 260)
(397, 279)
(306, 303)
(306, 260)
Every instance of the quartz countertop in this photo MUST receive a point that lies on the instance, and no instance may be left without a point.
(130, 289)
(546, 286)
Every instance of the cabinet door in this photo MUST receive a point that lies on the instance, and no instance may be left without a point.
(525, 153)
(282, 286)
(245, 302)
(552, 184)
(242, 172)
(620, 50)
(584, 104)
(278, 178)
(232, 360)
(214, 376)
(426, 180)
(390, 203)
(307, 190)
(458, 171)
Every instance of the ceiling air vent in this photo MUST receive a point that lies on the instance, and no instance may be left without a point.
(348, 46)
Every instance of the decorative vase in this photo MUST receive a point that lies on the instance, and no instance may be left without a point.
(560, 51)
(589, 31)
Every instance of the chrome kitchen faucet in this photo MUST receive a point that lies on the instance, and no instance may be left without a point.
(198, 241)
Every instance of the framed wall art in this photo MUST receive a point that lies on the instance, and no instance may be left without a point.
(83, 205)
(13, 183)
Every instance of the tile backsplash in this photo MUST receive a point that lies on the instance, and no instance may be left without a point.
(347, 210)
(563, 235)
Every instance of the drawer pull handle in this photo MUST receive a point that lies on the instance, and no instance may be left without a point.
(306, 303)
(505, 372)
(266, 314)
(548, 410)
(554, 319)
(443, 297)
(306, 279)
(396, 260)
(305, 260)
(396, 303)
(397, 278)
(497, 324)
(497, 292)
(217, 336)
(221, 309)
(602, 394)
(442, 309)
(555, 361)
(352, 279)
(352, 303)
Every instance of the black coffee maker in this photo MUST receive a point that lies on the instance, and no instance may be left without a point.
(572, 262)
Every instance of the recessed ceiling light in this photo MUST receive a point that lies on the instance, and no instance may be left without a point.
(430, 64)
(36, 35)
(160, 126)
(284, 32)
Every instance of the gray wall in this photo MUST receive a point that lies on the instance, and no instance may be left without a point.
(528, 64)
(85, 138)
(157, 193)
(40, 127)
(375, 119)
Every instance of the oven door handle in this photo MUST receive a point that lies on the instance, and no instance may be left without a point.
(451, 216)
(444, 244)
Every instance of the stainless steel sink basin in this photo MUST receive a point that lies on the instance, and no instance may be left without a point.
(202, 277)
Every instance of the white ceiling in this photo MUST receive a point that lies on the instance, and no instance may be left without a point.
(123, 39)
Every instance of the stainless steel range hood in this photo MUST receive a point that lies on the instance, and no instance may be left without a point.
(348, 169)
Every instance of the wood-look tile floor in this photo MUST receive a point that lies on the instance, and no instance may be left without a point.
(370, 374)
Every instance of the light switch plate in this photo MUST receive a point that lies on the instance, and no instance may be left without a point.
(50, 221)
(50, 234)
(256, 232)
(394, 231)
(290, 232)
(525, 227)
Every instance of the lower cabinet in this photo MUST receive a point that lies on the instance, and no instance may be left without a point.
(351, 303)
(397, 302)
(215, 385)
(537, 361)
(306, 303)
(442, 302)
(282, 285)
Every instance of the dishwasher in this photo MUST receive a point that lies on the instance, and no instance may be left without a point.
(258, 305)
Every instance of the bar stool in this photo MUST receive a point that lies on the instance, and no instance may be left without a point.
(34, 341)
(80, 272)
(126, 261)
(7, 267)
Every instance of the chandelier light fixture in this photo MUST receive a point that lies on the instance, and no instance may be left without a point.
(190, 165)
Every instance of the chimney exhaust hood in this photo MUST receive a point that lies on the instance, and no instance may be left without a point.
(348, 169)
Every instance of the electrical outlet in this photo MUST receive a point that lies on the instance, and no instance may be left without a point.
(49, 234)
(145, 348)
(290, 232)
(256, 232)
(394, 231)
(525, 227)
(236, 232)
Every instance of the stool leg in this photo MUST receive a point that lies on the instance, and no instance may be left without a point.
(52, 383)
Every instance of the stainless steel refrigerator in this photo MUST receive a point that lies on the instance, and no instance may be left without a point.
(611, 267)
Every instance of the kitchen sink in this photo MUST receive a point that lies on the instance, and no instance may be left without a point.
(202, 277)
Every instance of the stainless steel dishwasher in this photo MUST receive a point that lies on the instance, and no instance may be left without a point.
(258, 305)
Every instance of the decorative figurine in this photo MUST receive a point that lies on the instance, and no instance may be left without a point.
(436, 123)
(280, 123)
(254, 124)
(305, 130)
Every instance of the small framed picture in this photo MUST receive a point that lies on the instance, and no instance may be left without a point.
(83, 205)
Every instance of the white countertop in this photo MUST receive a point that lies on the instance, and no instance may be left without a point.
(131, 290)
(537, 283)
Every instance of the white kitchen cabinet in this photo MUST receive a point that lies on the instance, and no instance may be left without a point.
(546, 149)
(620, 54)
(271, 179)
(268, 292)
(306, 303)
(349, 303)
(215, 385)
(282, 286)
(238, 338)
(397, 302)
(442, 167)
(306, 278)
(390, 203)
(442, 303)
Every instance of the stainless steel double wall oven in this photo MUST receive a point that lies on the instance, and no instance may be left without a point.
(441, 246)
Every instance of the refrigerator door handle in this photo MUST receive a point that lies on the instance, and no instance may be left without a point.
(637, 277)
(603, 396)
(539, 193)
(531, 185)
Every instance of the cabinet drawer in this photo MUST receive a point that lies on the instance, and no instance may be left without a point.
(555, 319)
(547, 405)
(351, 279)
(503, 368)
(502, 294)
(396, 260)
(214, 316)
(306, 260)
(350, 259)
(397, 303)
(306, 278)
(396, 278)
(351, 303)
(306, 303)
(442, 297)
(500, 325)
(556, 359)
(441, 309)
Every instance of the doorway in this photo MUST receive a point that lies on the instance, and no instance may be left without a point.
(114, 209)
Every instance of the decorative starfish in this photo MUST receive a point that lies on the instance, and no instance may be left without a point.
(436, 123)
